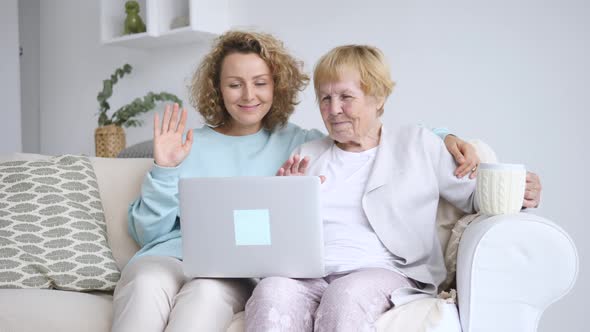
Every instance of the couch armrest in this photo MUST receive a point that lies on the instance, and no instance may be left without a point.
(510, 268)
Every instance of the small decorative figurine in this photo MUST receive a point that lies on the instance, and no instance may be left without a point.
(133, 22)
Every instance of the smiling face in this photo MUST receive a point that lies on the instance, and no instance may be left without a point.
(247, 87)
(350, 116)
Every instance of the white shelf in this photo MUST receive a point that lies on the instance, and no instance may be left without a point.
(198, 20)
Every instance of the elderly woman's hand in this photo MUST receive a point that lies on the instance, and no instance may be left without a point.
(464, 154)
(532, 192)
(296, 166)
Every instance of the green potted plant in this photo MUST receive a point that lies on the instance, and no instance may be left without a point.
(109, 137)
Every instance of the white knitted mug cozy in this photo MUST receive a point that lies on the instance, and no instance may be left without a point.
(500, 188)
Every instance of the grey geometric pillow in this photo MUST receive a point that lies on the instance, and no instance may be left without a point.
(140, 150)
(52, 226)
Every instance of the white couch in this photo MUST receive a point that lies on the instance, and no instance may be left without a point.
(510, 268)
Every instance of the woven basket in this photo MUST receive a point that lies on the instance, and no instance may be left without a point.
(109, 141)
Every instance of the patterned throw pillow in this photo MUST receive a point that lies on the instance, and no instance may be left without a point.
(52, 226)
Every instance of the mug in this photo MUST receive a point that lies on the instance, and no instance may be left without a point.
(500, 188)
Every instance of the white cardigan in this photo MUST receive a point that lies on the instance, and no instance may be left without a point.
(412, 170)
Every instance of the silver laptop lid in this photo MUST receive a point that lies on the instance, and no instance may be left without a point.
(239, 227)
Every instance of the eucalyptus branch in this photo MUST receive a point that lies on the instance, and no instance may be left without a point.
(125, 115)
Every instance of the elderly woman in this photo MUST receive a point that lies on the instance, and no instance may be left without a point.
(380, 195)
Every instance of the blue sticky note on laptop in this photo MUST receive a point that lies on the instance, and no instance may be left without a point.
(252, 227)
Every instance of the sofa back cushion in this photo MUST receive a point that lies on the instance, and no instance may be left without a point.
(119, 183)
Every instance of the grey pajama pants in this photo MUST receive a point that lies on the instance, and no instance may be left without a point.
(344, 302)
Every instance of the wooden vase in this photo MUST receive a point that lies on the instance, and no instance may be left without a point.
(109, 141)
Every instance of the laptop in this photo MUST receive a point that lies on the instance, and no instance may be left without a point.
(251, 227)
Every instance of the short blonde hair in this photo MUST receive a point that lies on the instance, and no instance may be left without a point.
(368, 61)
(287, 74)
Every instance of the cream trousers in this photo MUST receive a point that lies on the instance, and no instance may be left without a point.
(154, 295)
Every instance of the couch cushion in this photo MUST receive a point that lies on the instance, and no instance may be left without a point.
(33, 310)
(119, 183)
(52, 228)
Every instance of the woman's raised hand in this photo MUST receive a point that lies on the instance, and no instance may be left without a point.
(296, 166)
(169, 150)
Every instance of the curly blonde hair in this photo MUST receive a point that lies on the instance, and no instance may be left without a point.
(287, 74)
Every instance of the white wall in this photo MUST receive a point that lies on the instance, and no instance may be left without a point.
(513, 73)
(74, 64)
(29, 31)
(10, 114)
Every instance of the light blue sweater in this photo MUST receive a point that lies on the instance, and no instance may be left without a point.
(154, 217)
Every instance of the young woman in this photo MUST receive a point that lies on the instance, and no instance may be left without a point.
(246, 88)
